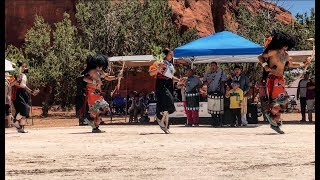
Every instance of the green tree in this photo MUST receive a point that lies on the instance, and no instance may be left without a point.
(37, 41)
(128, 27)
(70, 60)
(258, 26)
(14, 55)
(43, 64)
(55, 66)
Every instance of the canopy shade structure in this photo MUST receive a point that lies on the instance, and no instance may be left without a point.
(182, 61)
(134, 61)
(222, 43)
(9, 66)
(297, 56)
(300, 56)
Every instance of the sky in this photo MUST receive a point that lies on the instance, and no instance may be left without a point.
(296, 6)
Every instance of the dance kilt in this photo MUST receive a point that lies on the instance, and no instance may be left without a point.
(276, 90)
(192, 101)
(95, 101)
(165, 100)
(22, 102)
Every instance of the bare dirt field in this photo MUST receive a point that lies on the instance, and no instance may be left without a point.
(57, 148)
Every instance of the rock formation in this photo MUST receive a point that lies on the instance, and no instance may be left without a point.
(207, 16)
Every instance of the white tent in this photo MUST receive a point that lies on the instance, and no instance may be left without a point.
(134, 61)
(298, 56)
(9, 66)
(143, 60)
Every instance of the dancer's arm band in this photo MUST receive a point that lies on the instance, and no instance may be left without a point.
(264, 64)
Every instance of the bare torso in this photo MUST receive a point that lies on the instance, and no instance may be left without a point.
(95, 76)
(277, 61)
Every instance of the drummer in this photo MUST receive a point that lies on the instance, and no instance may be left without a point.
(192, 85)
(215, 80)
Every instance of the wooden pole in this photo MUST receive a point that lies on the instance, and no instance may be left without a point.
(125, 117)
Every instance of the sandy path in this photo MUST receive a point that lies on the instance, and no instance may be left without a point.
(144, 152)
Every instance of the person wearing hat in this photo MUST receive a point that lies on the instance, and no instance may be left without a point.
(310, 96)
(236, 98)
(302, 95)
(244, 86)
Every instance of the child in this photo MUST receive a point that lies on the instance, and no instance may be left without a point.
(236, 97)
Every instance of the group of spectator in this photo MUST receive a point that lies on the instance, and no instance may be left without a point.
(135, 104)
(234, 90)
(306, 93)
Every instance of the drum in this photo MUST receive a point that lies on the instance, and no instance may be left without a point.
(215, 104)
(192, 101)
(244, 105)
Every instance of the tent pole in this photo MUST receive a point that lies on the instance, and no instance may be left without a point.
(125, 117)
(192, 61)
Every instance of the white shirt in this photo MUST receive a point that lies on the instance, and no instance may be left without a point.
(24, 79)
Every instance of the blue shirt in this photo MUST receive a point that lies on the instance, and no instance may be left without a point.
(192, 84)
(213, 79)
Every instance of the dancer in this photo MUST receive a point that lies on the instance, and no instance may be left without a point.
(93, 75)
(275, 51)
(164, 71)
(20, 98)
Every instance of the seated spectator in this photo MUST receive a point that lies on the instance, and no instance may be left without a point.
(152, 97)
(135, 109)
(129, 99)
(119, 103)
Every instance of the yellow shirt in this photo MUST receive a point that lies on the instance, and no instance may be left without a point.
(235, 97)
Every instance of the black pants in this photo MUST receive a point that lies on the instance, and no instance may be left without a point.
(216, 119)
(303, 104)
(236, 116)
(7, 109)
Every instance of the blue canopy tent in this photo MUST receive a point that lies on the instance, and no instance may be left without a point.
(222, 44)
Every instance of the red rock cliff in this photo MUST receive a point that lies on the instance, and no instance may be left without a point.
(20, 15)
(210, 16)
(207, 16)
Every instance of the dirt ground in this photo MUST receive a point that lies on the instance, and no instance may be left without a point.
(57, 148)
